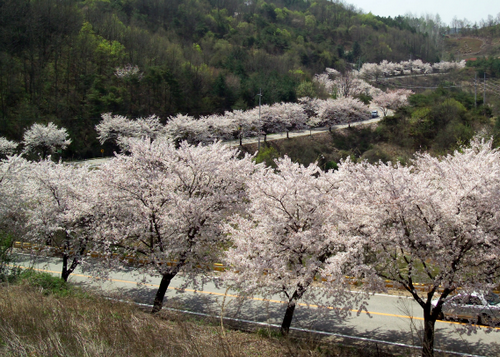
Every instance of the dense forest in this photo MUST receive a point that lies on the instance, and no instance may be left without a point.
(69, 61)
(490, 66)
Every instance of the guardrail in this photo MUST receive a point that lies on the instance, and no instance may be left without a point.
(220, 267)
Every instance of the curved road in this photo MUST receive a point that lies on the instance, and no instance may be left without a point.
(254, 140)
(391, 319)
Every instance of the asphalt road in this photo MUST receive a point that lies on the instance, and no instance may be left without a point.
(270, 137)
(391, 319)
(305, 132)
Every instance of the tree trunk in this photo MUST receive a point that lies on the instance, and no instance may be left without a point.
(160, 293)
(429, 325)
(287, 320)
(287, 135)
(290, 308)
(66, 272)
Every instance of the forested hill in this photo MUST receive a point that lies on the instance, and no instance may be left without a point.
(59, 59)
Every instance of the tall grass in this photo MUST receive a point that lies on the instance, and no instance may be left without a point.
(33, 323)
(42, 315)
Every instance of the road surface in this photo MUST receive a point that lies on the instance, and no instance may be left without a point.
(253, 140)
(391, 319)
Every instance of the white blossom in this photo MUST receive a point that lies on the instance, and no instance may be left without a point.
(45, 139)
(292, 233)
(435, 222)
(119, 128)
(163, 205)
(392, 100)
(129, 71)
(7, 147)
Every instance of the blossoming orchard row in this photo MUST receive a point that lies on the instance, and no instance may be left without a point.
(435, 222)
(277, 118)
(372, 71)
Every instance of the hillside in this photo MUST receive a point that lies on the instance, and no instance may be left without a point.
(67, 321)
(435, 121)
(59, 60)
(473, 42)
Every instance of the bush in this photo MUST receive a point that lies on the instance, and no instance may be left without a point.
(331, 165)
(48, 283)
(6, 242)
(267, 155)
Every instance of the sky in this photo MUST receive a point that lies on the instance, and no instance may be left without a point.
(473, 11)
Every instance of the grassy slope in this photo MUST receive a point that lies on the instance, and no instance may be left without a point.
(34, 322)
(484, 42)
(326, 148)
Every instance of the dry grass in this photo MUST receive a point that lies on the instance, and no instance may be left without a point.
(464, 45)
(33, 323)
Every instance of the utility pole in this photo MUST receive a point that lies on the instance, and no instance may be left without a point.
(260, 103)
(484, 90)
(475, 91)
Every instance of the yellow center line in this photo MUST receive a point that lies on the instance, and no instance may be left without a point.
(255, 298)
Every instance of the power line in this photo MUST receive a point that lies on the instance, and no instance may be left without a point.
(423, 87)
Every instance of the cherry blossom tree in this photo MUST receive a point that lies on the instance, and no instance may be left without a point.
(60, 210)
(435, 223)
(325, 81)
(164, 205)
(44, 140)
(187, 128)
(310, 105)
(332, 72)
(11, 207)
(370, 72)
(418, 66)
(345, 110)
(246, 122)
(129, 71)
(220, 127)
(7, 147)
(270, 120)
(448, 66)
(49, 205)
(392, 100)
(281, 117)
(119, 129)
(347, 84)
(293, 115)
(12, 183)
(292, 234)
(373, 71)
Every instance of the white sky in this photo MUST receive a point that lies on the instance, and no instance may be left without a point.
(471, 10)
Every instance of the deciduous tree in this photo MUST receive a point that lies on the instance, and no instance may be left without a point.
(164, 205)
(292, 234)
(344, 110)
(435, 223)
(392, 100)
(119, 128)
(59, 205)
(7, 147)
(44, 140)
(12, 209)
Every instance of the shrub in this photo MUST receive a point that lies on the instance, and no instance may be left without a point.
(48, 283)
(6, 242)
